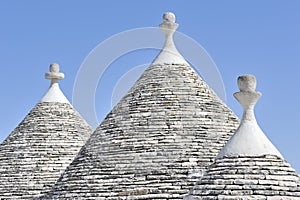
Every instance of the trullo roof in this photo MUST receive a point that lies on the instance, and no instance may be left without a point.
(249, 166)
(157, 140)
(35, 154)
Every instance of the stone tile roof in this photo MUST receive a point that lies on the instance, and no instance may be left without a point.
(248, 166)
(246, 177)
(35, 154)
(155, 143)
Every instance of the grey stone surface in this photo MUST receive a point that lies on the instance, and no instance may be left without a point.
(246, 177)
(35, 154)
(154, 144)
(248, 166)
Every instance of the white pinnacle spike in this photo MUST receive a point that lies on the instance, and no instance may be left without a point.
(169, 53)
(249, 139)
(54, 94)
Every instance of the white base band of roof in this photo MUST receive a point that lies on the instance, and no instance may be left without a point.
(54, 94)
(167, 56)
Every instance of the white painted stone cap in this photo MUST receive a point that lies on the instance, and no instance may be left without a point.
(249, 139)
(169, 54)
(54, 94)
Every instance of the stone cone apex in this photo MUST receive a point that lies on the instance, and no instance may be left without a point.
(54, 94)
(39, 149)
(249, 166)
(249, 139)
(169, 54)
(156, 142)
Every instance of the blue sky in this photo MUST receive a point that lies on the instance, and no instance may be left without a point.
(257, 37)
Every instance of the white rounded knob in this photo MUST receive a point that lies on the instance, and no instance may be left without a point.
(169, 17)
(247, 83)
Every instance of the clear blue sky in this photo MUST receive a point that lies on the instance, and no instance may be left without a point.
(257, 37)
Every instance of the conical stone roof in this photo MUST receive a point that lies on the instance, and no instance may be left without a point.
(157, 140)
(249, 166)
(35, 154)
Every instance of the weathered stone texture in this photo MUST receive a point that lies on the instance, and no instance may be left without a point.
(35, 154)
(244, 177)
(154, 144)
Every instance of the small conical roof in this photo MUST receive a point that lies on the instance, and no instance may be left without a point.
(249, 166)
(249, 139)
(35, 154)
(54, 94)
(157, 140)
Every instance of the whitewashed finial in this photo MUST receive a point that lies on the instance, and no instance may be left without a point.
(169, 17)
(249, 139)
(54, 94)
(247, 83)
(169, 53)
(247, 96)
(54, 75)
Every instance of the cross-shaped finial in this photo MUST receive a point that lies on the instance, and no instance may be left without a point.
(54, 94)
(54, 75)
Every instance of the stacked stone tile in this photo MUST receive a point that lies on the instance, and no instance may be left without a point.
(249, 166)
(35, 154)
(157, 140)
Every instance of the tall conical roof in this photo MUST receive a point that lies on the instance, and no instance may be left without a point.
(35, 154)
(157, 140)
(249, 166)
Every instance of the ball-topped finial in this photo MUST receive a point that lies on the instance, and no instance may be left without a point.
(169, 17)
(169, 54)
(247, 96)
(247, 83)
(169, 26)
